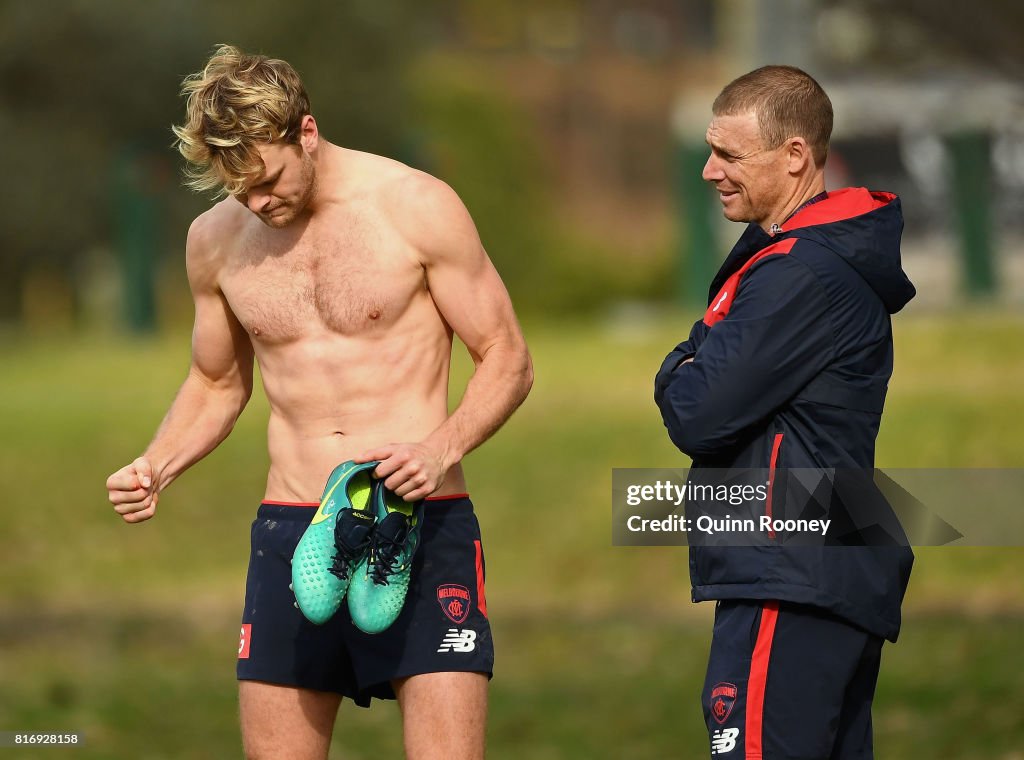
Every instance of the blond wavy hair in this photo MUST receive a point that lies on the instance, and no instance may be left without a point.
(236, 103)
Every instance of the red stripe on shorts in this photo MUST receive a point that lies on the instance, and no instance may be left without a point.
(481, 597)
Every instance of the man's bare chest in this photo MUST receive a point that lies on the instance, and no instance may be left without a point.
(347, 284)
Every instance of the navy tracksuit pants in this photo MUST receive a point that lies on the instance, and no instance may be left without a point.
(789, 682)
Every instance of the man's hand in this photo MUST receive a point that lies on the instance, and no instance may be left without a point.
(411, 470)
(134, 491)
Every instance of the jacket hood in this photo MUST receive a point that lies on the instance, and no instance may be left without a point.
(863, 227)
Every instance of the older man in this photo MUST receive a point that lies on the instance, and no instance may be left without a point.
(788, 368)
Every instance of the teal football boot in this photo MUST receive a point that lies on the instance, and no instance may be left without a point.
(381, 580)
(336, 540)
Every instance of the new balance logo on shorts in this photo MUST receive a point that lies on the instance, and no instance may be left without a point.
(724, 740)
(458, 641)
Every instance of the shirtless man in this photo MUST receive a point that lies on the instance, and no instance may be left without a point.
(344, 275)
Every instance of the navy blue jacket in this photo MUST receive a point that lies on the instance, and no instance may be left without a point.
(790, 368)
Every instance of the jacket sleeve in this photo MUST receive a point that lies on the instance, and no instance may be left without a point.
(680, 353)
(776, 337)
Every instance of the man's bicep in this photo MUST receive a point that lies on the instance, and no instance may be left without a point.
(463, 282)
(473, 300)
(221, 350)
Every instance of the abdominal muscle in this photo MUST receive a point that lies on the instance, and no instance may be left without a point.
(334, 397)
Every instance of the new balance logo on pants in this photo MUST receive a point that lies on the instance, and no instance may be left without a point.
(724, 740)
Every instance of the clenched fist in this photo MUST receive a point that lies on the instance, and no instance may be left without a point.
(134, 491)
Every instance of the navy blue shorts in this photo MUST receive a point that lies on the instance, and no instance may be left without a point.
(442, 628)
(789, 682)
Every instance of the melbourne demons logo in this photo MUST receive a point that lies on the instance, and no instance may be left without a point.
(723, 698)
(454, 600)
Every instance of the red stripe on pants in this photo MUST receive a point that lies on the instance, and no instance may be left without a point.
(758, 679)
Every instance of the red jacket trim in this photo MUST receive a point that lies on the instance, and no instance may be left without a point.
(840, 204)
(727, 293)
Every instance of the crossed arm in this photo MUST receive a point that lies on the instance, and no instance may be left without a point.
(730, 378)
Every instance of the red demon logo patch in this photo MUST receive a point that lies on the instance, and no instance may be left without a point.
(723, 698)
(454, 600)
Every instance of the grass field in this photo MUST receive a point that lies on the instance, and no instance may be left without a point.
(127, 633)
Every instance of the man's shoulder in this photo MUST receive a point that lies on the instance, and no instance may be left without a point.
(222, 220)
(405, 189)
(208, 235)
(423, 208)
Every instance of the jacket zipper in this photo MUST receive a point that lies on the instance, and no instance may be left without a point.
(773, 462)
